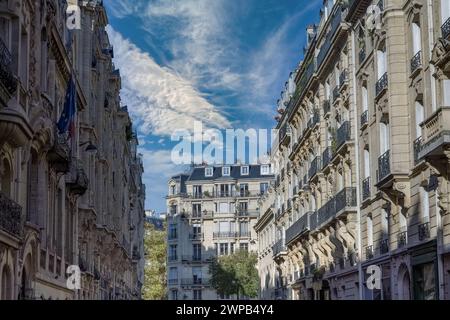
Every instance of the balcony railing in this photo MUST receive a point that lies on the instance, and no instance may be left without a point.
(326, 106)
(364, 118)
(384, 246)
(381, 85)
(284, 134)
(334, 26)
(327, 155)
(336, 94)
(227, 234)
(416, 61)
(59, 155)
(314, 119)
(369, 252)
(193, 281)
(384, 165)
(278, 248)
(346, 198)
(402, 239)
(298, 228)
(6, 75)
(343, 134)
(445, 28)
(366, 189)
(315, 166)
(435, 133)
(11, 219)
(424, 231)
(417, 148)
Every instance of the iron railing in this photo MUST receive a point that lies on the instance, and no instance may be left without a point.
(298, 227)
(424, 231)
(11, 219)
(364, 118)
(336, 94)
(343, 77)
(327, 155)
(315, 166)
(384, 246)
(445, 28)
(278, 248)
(343, 134)
(384, 165)
(416, 61)
(382, 84)
(227, 234)
(366, 189)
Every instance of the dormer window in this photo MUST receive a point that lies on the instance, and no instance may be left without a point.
(226, 171)
(244, 170)
(208, 172)
(265, 169)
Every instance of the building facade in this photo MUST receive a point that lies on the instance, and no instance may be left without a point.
(361, 160)
(74, 195)
(211, 211)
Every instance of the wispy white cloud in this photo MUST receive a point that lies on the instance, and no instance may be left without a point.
(159, 99)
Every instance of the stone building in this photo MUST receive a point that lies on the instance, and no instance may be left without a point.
(361, 157)
(212, 211)
(73, 196)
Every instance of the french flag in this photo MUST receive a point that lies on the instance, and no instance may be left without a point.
(67, 120)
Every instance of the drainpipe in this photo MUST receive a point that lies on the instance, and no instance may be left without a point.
(439, 235)
(358, 193)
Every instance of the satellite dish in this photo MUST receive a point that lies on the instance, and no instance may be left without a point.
(373, 20)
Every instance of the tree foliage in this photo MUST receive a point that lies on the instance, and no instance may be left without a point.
(155, 263)
(235, 274)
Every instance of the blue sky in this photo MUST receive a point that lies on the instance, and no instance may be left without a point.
(222, 62)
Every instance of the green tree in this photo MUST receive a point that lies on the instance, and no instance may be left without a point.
(155, 263)
(235, 274)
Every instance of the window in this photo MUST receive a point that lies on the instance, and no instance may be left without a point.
(226, 171)
(384, 137)
(445, 11)
(224, 207)
(243, 247)
(420, 114)
(173, 275)
(173, 252)
(196, 210)
(231, 248)
(197, 252)
(223, 249)
(224, 190)
(369, 231)
(381, 63)
(263, 187)
(265, 169)
(365, 99)
(244, 190)
(208, 172)
(243, 229)
(197, 191)
(174, 294)
(197, 230)
(244, 170)
(243, 207)
(173, 190)
(172, 231)
(366, 164)
(417, 42)
(424, 204)
(197, 294)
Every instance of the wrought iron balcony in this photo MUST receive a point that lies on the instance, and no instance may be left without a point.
(435, 134)
(416, 62)
(326, 106)
(279, 248)
(335, 25)
(364, 118)
(346, 198)
(343, 134)
(336, 94)
(193, 281)
(369, 252)
(382, 85)
(417, 148)
(445, 28)
(402, 239)
(285, 135)
(384, 246)
(384, 165)
(298, 228)
(424, 231)
(327, 155)
(366, 189)
(226, 234)
(314, 119)
(315, 167)
(7, 78)
(362, 55)
(11, 220)
(343, 78)
(77, 180)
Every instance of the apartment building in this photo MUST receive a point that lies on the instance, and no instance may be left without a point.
(211, 212)
(70, 188)
(361, 163)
